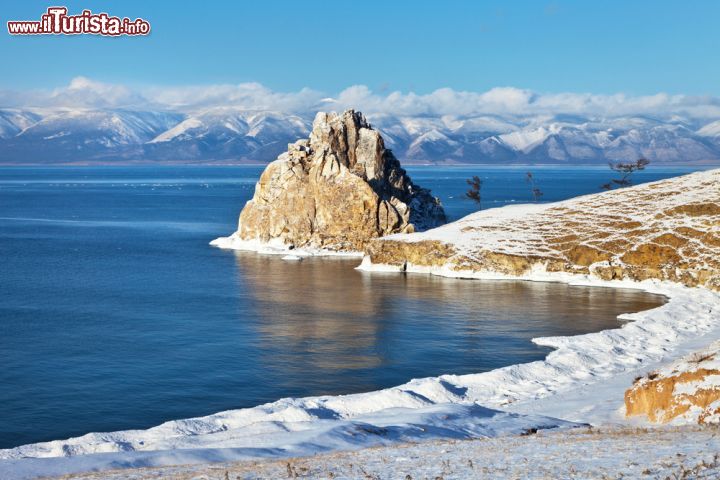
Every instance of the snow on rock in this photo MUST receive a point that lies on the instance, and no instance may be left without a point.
(685, 390)
(334, 191)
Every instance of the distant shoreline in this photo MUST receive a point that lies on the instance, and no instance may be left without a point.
(260, 163)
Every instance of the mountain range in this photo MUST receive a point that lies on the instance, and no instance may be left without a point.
(234, 135)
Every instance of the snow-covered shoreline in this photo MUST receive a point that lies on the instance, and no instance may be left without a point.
(277, 247)
(582, 381)
(584, 378)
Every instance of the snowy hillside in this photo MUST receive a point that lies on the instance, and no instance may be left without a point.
(235, 134)
(666, 230)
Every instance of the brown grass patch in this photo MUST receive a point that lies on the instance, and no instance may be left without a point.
(695, 209)
(651, 255)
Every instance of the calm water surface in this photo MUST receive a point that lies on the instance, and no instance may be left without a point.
(115, 313)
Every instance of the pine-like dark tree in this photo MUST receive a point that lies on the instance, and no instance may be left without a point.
(474, 192)
(536, 192)
(625, 170)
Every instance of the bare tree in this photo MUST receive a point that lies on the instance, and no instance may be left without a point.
(475, 186)
(625, 170)
(536, 192)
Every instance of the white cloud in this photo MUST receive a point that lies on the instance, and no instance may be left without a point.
(501, 101)
(509, 101)
(244, 95)
(83, 92)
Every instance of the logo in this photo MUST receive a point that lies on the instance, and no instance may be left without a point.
(56, 21)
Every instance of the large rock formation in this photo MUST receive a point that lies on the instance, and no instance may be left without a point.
(336, 190)
(666, 230)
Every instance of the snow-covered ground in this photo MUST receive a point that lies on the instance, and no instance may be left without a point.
(667, 453)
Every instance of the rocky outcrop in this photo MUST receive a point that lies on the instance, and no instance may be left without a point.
(688, 388)
(336, 190)
(667, 230)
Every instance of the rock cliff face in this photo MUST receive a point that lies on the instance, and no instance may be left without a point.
(688, 388)
(336, 191)
(667, 230)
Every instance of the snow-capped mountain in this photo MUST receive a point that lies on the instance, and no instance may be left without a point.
(83, 135)
(711, 130)
(226, 134)
(552, 140)
(230, 134)
(12, 122)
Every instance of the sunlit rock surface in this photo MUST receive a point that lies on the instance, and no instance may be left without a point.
(686, 390)
(336, 191)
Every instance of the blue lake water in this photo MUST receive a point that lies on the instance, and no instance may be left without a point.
(115, 313)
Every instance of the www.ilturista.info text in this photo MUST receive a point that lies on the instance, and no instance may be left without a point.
(57, 22)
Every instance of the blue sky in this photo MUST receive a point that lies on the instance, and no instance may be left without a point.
(634, 47)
